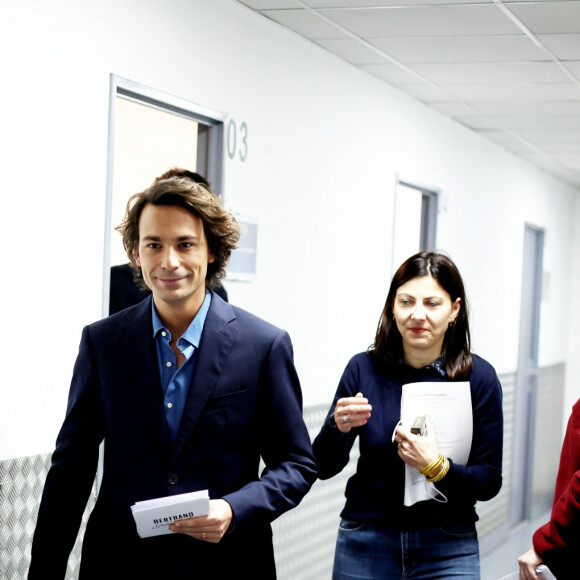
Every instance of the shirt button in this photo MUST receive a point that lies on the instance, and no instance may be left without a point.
(163, 333)
(173, 479)
(168, 363)
(169, 405)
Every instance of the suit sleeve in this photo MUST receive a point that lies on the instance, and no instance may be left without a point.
(70, 478)
(285, 444)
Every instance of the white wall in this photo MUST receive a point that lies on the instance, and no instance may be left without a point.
(326, 143)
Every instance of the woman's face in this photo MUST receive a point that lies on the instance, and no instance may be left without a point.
(423, 311)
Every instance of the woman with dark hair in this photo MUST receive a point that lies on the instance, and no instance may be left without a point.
(422, 337)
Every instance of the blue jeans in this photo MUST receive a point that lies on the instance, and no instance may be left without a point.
(371, 552)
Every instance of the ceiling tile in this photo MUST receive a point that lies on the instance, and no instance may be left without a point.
(479, 122)
(462, 49)
(559, 148)
(548, 17)
(564, 46)
(391, 73)
(491, 73)
(571, 160)
(454, 108)
(271, 4)
(432, 20)
(574, 68)
(523, 92)
(305, 23)
(546, 108)
(552, 138)
(519, 122)
(351, 50)
(508, 140)
(544, 161)
(425, 92)
(466, 59)
(375, 3)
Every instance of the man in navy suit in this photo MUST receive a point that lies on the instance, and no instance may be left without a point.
(188, 393)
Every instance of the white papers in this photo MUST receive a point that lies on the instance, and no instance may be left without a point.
(542, 571)
(448, 407)
(153, 516)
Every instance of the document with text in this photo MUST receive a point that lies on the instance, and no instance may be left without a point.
(448, 407)
(153, 516)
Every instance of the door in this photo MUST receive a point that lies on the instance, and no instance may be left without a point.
(524, 411)
(150, 132)
(415, 221)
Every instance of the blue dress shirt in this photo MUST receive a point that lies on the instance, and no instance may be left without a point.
(176, 381)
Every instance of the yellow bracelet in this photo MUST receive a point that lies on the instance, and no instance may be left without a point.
(433, 467)
(429, 467)
(442, 473)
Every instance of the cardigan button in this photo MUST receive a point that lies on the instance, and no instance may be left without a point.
(173, 479)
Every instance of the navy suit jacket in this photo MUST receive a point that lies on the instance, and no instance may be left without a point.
(244, 404)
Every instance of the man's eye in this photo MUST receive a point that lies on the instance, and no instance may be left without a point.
(153, 246)
(186, 245)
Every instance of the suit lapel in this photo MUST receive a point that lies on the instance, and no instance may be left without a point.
(143, 371)
(216, 342)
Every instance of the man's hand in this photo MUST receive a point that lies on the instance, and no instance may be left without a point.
(352, 412)
(528, 563)
(210, 528)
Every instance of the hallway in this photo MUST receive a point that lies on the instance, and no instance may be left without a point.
(499, 562)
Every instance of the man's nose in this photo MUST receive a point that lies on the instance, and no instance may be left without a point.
(170, 259)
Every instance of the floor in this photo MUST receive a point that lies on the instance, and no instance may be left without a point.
(503, 560)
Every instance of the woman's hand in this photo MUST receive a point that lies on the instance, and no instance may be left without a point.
(417, 450)
(351, 412)
(528, 563)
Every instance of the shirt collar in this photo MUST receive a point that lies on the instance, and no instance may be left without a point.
(194, 330)
(436, 366)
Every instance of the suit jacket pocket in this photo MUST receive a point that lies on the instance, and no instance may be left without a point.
(227, 400)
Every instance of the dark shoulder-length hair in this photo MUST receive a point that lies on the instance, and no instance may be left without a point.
(388, 346)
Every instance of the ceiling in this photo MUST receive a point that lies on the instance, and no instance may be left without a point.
(508, 70)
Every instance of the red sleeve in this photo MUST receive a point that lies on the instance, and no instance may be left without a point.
(563, 529)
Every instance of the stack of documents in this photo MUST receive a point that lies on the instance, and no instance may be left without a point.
(542, 571)
(448, 406)
(154, 515)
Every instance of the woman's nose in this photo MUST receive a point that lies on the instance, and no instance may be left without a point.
(418, 312)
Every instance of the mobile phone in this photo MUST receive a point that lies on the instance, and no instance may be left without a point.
(418, 426)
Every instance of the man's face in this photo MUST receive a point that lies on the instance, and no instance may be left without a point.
(173, 255)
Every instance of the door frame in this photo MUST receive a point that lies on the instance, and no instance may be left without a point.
(521, 486)
(210, 150)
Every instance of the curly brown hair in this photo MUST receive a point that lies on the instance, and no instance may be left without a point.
(221, 228)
